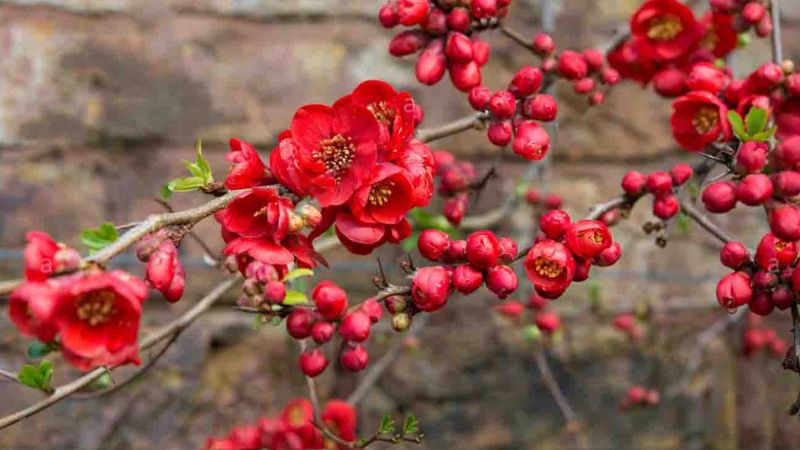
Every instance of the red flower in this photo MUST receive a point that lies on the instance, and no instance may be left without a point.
(665, 29)
(418, 162)
(283, 164)
(165, 272)
(30, 308)
(386, 198)
(45, 257)
(361, 238)
(336, 147)
(787, 118)
(97, 316)
(550, 266)
(260, 212)
(698, 119)
(248, 169)
(719, 37)
(340, 418)
(588, 238)
(629, 60)
(773, 253)
(264, 250)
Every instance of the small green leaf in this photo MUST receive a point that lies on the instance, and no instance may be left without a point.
(411, 425)
(532, 333)
(297, 273)
(100, 383)
(764, 135)
(595, 291)
(186, 184)
(742, 40)
(295, 298)
(166, 193)
(387, 425)
(37, 377)
(202, 163)
(737, 125)
(193, 169)
(37, 349)
(756, 120)
(99, 238)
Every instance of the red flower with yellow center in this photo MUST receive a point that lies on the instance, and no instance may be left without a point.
(550, 266)
(698, 119)
(588, 238)
(386, 198)
(665, 29)
(773, 253)
(718, 36)
(260, 212)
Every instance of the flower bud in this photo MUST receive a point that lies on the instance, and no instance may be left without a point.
(433, 243)
(313, 362)
(706, 77)
(543, 44)
(511, 309)
(784, 222)
(502, 105)
(455, 208)
(412, 12)
(782, 297)
(331, 300)
(372, 309)
(536, 302)
(540, 107)
(571, 65)
(459, 19)
(502, 281)
(408, 42)
(480, 51)
(594, 58)
(322, 332)
(482, 249)
(788, 152)
(457, 251)
(466, 278)
(458, 48)
(396, 304)
(719, 197)
(754, 189)
(274, 292)
(752, 157)
(761, 304)
(354, 358)
(786, 183)
(752, 341)
(436, 22)
(479, 99)
(609, 256)
(311, 216)
(734, 290)
(531, 141)
(666, 207)
(681, 173)
(525, 82)
(161, 265)
(582, 269)
(753, 12)
(500, 133)
(792, 84)
(299, 322)
(483, 9)
(659, 183)
(507, 249)
(430, 288)
(670, 83)
(548, 322)
(355, 327)
(734, 255)
(431, 64)
(583, 85)
(388, 15)
(465, 76)
(610, 76)
(773, 253)
(633, 182)
(401, 322)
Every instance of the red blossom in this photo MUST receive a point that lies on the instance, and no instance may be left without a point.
(665, 29)
(247, 168)
(550, 266)
(45, 257)
(698, 119)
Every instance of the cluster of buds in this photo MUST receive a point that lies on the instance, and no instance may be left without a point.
(263, 285)
(565, 252)
(628, 324)
(547, 201)
(330, 315)
(586, 70)
(446, 30)
(639, 397)
(546, 322)
(756, 338)
(516, 113)
(748, 14)
(164, 270)
(662, 185)
(478, 259)
(456, 180)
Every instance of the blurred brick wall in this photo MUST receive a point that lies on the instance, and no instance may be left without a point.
(99, 101)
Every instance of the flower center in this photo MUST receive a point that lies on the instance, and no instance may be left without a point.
(781, 246)
(96, 307)
(297, 417)
(594, 236)
(705, 119)
(709, 40)
(382, 112)
(664, 28)
(547, 268)
(337, 154)
(381, 193)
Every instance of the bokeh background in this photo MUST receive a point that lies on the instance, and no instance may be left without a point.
(101, 99)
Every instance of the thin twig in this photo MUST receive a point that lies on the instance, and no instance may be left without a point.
(8, 375)
(473, 121)
(570, 417)
(176, 326)
(705, 222)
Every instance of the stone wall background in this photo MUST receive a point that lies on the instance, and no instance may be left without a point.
(100, 99)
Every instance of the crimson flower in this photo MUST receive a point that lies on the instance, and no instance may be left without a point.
(550, 266)
(665, 29)
(360, 238)
(773, 253)
(45, 257)
(248, 169)
(588, 238)
(386, 198)
(30, 307)
(336, 147)
(698, 119)
(718, 36)
(631, 62)
(260, 212)
(340, 418)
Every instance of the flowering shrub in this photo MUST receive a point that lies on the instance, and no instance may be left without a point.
(360, 169)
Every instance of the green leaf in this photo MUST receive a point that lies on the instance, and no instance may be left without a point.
(193, 169)
(295, 298)
(595, 291)
(186, 184)
(100, 383)
(37, 349)
(37, 377)
(101, 237)
(742, 40)
(410, 243)
(202, 163)
(756, 120)
(166, 193)
(297, 273)
(764, 135)
(387, 425)
(411, 425)
(737, 125)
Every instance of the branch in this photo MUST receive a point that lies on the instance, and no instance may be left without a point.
(473, 121)
(552, 385)
(705, 222)
(777, 46)
(174, 327)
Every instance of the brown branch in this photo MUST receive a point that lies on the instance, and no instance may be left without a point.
(473, 121)
(62, 392)
(703, 220)
(570, 416)
(516, 37)
(8, 376)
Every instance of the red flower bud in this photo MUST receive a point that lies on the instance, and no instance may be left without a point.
(784, 222)
(459, 19)
(466, 278)
(458, 47)
(355, 327)
(543, 44)
(457, 251)
(548, 322)
(792, 84)
(633, 182)
(455, 208)
(480, 51)
(436, 22)
(432, 63)
(536, 302)
(659, 183)
(666, 207)
(430, 288)
(594, 58)
(482, 9)
(500, 133)
(681, 173)
(554, 223)
(583, 85)
(773, 253)
(582, 269)
(388, 15)
(507, 249)
(354, 358)
(412, 12)
(596, 98)
(502, 281)
(670, 83)
(313, 362)
(719, 197)
(510, 309)
(766, 77)
(433, 243)
(754, 189)
(525, 82)
(764, 26)
(625, 322)
(540, 107)
(788, 152)
(550, 266)
(706, 77)
(734, 290)
(331, 300)
(764, 280)
(782, 297)
(408, 42)
(571, 65)
(611, 217)
(531, 141)
(322, 332)
(752, 341)
(372, 309)
(465, 76)
(396, 304)
(274, 292)
(753, 12)
(299, 323)
(553, 201)
(502, 105)
(610, 76)
(786, 183)
(532, 196)
(609, 256)
(479, 99)
(482, 249)
(761, 304)
(734, 255)
(752, 157)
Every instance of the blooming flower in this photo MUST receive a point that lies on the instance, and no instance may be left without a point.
(698, 119)
(665, 29)
(247, 168)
